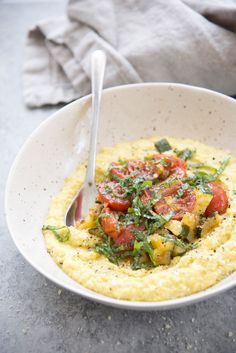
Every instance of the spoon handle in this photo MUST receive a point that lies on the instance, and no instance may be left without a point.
(98, 62)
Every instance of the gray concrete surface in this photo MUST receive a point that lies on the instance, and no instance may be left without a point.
(35, 316)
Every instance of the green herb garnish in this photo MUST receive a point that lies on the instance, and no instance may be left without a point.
(222, 167)
(204, 188)
(62, 233)
(105, 248)
(180, 193)
(141, 246)
(205, 177)
(185, 154)
(200, 179)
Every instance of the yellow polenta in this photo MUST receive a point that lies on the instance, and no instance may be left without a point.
(198, 269)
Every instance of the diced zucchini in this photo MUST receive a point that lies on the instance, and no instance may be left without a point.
(162, 250)
(161, 258)
(202, 201)
(158, 243)
(174, 226)
(190, 220)
(177, 251)
(162, 145)
(210, 224)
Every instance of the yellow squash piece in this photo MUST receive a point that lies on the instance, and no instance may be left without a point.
(210, 224)
(174, 226)
(202, 201)
(162, 250)
(177, 251)
(191, 220)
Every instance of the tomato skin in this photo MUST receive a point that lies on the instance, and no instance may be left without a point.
(109, 224)
(174, 165)
(118, 172)
(146, 195)
(151, 169)
(136, 168)
(219, 202)
(126, 236)
(185, 204)
(116, 203)
(123, 235)
(179, 206)
(172, 189)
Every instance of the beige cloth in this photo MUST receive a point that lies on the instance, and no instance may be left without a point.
(188, 41)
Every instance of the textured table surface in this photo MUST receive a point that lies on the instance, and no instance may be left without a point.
(35, 316)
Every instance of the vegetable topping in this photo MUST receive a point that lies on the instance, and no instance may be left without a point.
(219, 202)
(149, 211)
(154, 209)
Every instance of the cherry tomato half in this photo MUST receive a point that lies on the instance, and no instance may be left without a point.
(172, 164)
(169, 202)
(109, 223)
(160, 166)
(122, 235)
(219, 203)
(137, 168)
(108, 193)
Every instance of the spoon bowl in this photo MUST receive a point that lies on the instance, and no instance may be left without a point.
(81, 204)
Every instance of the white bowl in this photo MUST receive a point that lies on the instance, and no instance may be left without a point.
(58, 144)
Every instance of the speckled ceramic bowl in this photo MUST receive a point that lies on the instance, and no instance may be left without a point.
(128, 112)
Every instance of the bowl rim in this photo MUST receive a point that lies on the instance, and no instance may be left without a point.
(92, 295)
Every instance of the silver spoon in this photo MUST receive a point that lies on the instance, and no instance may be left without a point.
(86, 196)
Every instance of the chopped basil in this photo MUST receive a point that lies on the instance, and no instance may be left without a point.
(180, 193)
(141, 246)
(141, 236)
(205, 177)
(147, 183)
(185, 154)
(106, 249)
(137, 264)
(201, 165)
(200, 179)
(162, 146)
(137, 247)
(204, 188)
(62, 233)
(222, 167)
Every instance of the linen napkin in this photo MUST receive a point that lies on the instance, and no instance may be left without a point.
(188, 41)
